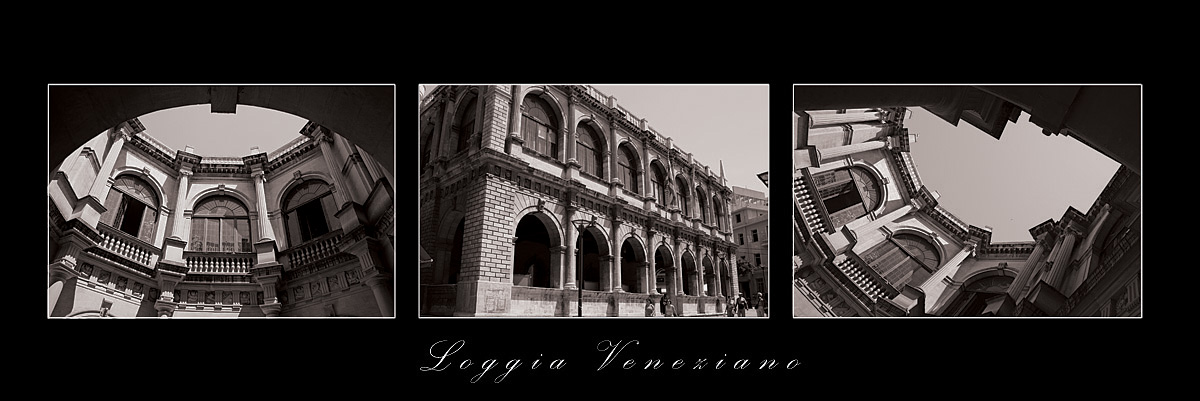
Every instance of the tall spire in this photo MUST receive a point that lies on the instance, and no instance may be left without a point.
(721, 162)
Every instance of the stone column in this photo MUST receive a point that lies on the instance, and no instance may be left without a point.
(616, 265)
(515, 139)
(650, 286)
(1062, 261)
(60, 275)
(381, 288)
(935, 285)
(444, 130)
(1032, 263)
(606, 273)
(174, 245)
(556, 266)
(570, 236)
(569, 133)
(717, 281)
(340, 191)
(842, 151)
(645, 165)
(265, 232)
(816, 119)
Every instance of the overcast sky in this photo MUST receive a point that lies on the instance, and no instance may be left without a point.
(717, 124)
(217, 134)
(1010, 184)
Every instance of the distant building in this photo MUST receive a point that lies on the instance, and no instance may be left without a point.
(750, 222)
(534, 198)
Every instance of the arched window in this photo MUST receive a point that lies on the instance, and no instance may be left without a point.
(132, 207)
(590, 150)
(220, 224)
(681, 195)
(308, 212)
(627, 169)
(903, 259)
(847, 193)
(702, 205)
(658, 183)
(539, 128)
(464, 122)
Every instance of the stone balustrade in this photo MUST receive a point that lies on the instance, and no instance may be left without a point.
(216, 263)
(806, 206)
(314, 251)
(127, 246)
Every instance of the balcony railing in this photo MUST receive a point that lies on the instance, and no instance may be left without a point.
(807, 205)
(314, 250)
(219, 263)
(128, 246)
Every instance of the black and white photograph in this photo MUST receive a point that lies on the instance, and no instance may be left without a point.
(194, 192)
(966, 201)
(593, 201)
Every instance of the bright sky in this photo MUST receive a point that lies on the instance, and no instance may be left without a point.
(716, 123)
(219, 134)
(1010, 184)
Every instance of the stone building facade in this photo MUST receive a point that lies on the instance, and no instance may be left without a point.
(137, 229)
(554, 200)
(871, 240)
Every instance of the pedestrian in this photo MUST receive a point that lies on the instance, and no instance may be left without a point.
(670, 309)
(649, 307)
(741, 306)
(760, 305)
(730, 306)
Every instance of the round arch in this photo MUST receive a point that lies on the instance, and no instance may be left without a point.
(364, 114)
(979, 294)
(550, 98)
(277, 200)
(149, 179)
(444, 270)
(547, 219)
(638, 246)
(927, 236)
(881, 184)
(246, 200)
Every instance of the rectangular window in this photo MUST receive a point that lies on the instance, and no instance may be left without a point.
(753, 235)
(741, 239)
(737, 218)
(758, 259)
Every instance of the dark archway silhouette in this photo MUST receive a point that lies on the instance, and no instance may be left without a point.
(365, 115)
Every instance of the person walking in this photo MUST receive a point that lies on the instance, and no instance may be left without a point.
(741, 306)
(670, 312)
(649, 308)
(730, 307)
(760, 305)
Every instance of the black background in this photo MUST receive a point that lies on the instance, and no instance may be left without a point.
(856, 358)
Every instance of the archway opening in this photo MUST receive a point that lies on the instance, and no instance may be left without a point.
(531, 255)
(632, 262)
(589, 260)
(662, 269)
(689, 275)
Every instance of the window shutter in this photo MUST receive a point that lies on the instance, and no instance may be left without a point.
(329, 206)
(111, 206)
(147, 231)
